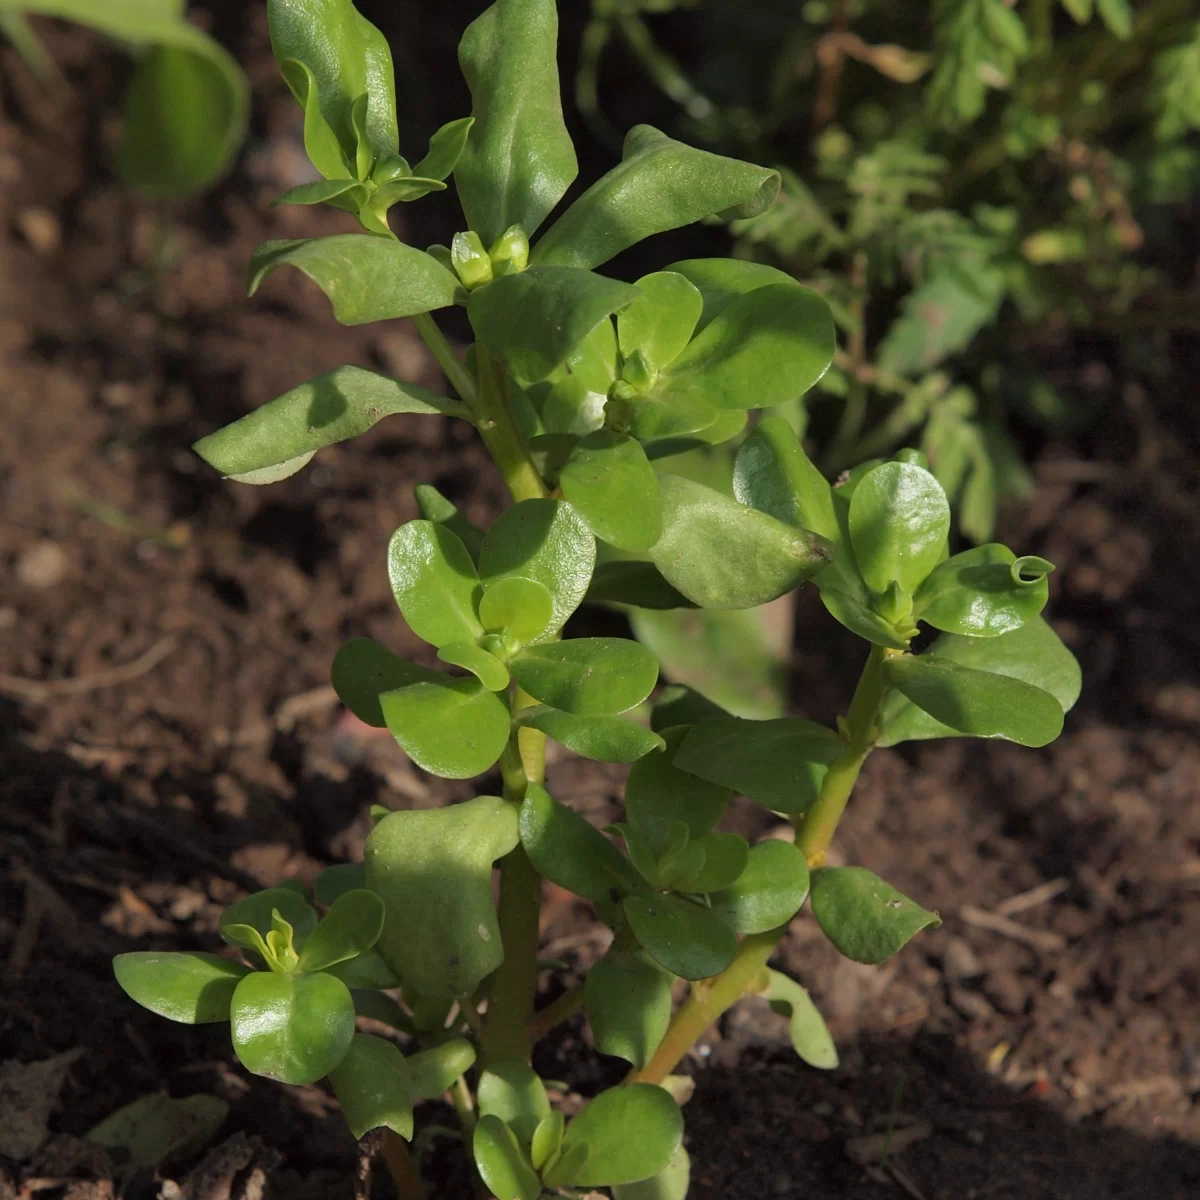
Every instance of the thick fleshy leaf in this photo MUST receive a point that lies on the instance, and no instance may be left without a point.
(598, 677)
(445, 149)
(546, 541)
(433, 870)
(512, 1091)
(454, 728)
(374, 1004)
(631, 1132)
(768, 893)
(293, 1028)
(633, 581)
(547, 1138)
(367, 970)
(534, 320)
(683, 937)
(519, 608)
(519, 160)
(678, 704)
(569, 851)
(366, 278)
(658, 423)
(659, 184)
(977, 703)
(321, 191)
(849, 610)
(899, 521)
(350, 928)
(337, 880)
(726, 856)
(721, 554)
(435, 583)
(605, 739)
(373, 1087)
(641, 853)
(660, 322)
(335, 406)
(192, 988)
(158, 1129)
(435, 507)
(349, 58)
(612, 485)
(779, 764)
(765, 347)
(773, 474)
(810, 1036)
(363, 670)
(866, 919)
(1034, 654)
(502, 1163)
(321, 144)
(431, 1072)
(257, 911)
(658, 793)
(487, 668)
(983, 592)
(671, 1183)
(722, 280)
(628, 1002)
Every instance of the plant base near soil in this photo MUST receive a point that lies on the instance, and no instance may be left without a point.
(130, 815)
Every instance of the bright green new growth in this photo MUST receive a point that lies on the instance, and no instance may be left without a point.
(578, 385)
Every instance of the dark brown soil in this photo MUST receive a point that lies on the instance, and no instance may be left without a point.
(1060, 1062)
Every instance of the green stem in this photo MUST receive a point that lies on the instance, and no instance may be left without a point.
(493, 416)
(560, 1010)
(452, 367)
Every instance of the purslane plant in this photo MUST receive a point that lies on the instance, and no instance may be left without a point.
(578, 384)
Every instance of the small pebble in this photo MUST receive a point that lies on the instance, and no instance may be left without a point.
(41, 229)
(42, 566)
(960, 963)
(970, 1005)
(1006, 991)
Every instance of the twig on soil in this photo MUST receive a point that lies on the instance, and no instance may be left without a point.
(47, 689)
(27, 934)
(399, 1162)
(1041, 894)
(1039, 939)
(869, 1149)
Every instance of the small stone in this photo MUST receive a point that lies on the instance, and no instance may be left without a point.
(970, 1005)
(960, 964)
(8, 617)
(41, 229)
(42, 566)
(119, 394)
(1006, 992)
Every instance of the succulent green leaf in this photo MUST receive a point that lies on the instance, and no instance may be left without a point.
(321, 144)
(335, 406)
(519, 160)
(363, 670)
(721, 554)
(983, 592)
(433, 870)
(726, 856)
(659, 184)
(547, 1138)
(373, 1087)
(366, 278)
(454, 728)
(293, 1028)
(548, 542)
(722, 280)
(520, 608)
(613, 487)
(487, 668)
(321, 191)
(683, 937)
(631, 1132)
(632, 581)
(336, 881)
(605, 739)
(374, 1004)
(435, 583)
(435, 507)
(433, 1071)
(866, 919)
(502, 1163)
(511, 1090)
(661, 321)
(768, 893)
(773, 474)
(810, 1036)
(779, 764)
(899, 521)
(158, 1129)
(192, 988)
(445, 149)
(641, 853)
(680, 863)
(534, 320)
(350, 928)
(569, 851)
(367, 970)
(678, 704)
(656, 423)
(628, 1001)
(597, 677)
(974, 702)
(850, 611)
(671, 1183)
(257, 911)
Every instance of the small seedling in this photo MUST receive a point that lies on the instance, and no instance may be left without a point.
(578, 384)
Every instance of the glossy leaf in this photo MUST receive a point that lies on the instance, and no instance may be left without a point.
(866, 919)
(605, 739)
(454, 728)
(293, 1028)
(336, 881)
(366, 970)
(660, 322)
(633, 581)
(726, 856)
(511, 1090)
(502, 1163)
(433, 870)
(373, 1087)
(257, 910)
(192, 988)
(657, 422)
(321, 144)
(340, 404)
(547, 1138)
(641, 853)
(366, 278)
(569, 851)
(435, 583)
(850, 611)
(671, 1183)
(487, 668)
(659, 184)
(768, 893)
(534, 320)
(546, 541)
(722, 280)
(433, 1071)
(773, 474)
(631, 1132)
(779, 764)
(977, 703)
(350, 927)
(597, 677)
(519, 160)
(810, 1036)
(158, 1129)
(520, 608)
(899, 521)
(321, 191)
(628, 1002)
(678, 704)
(363, 670)
(613, 487)
(658, 792)
(983, 592)
(683, 937)
(445, 149)
(721, 554)
(435, 507)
